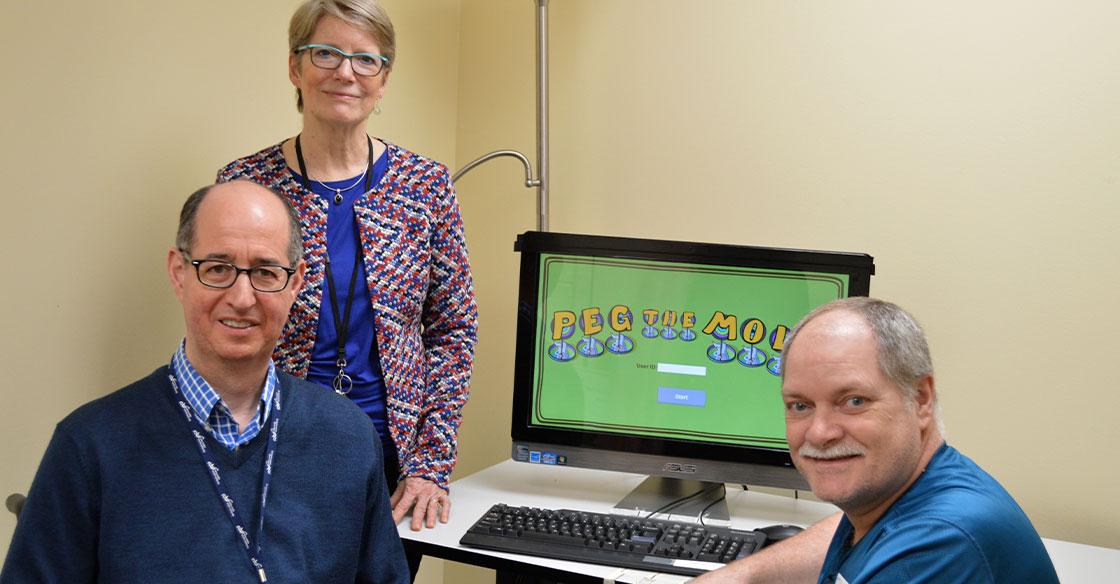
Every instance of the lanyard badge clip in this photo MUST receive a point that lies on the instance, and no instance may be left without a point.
(342, 382)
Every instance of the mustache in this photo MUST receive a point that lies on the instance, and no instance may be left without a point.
(836, 451)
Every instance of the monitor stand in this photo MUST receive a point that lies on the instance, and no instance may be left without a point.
(684, 499)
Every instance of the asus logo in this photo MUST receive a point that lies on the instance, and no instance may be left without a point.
(679, 468)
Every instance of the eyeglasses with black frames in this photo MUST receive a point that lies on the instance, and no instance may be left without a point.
(328, 57)
(223, 274)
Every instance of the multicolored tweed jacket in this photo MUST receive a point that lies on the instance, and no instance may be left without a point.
(419, 282)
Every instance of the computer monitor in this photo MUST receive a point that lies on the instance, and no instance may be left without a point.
(662, 357)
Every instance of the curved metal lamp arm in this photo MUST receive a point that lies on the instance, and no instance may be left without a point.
(530, 182)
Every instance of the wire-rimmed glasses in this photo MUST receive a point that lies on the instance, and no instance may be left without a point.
(328, 57)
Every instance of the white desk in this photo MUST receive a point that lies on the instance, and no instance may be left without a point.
(536, 485)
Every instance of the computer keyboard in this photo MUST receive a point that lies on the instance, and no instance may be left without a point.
(615, 540)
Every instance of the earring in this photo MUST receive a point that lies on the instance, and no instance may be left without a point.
(377, 109)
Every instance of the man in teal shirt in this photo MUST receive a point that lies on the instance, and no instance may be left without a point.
(863, 426)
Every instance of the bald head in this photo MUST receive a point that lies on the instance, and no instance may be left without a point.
(248, 191)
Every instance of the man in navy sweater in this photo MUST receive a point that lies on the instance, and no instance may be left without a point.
(863, 427)
(216, 467)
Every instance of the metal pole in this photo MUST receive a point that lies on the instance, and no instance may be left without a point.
(542, 114)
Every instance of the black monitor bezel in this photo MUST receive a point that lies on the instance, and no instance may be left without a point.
(858, 267)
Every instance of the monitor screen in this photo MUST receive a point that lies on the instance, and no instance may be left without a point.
(662, 357)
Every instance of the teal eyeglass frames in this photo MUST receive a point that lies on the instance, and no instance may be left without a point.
(328, 57)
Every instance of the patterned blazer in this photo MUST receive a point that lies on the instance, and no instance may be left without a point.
(419, 282)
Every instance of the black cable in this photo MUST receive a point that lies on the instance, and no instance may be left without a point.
(710, 505)
(677, 502)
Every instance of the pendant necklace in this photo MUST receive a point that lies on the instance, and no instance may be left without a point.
(338, 192)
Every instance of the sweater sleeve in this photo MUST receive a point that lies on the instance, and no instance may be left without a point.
(382, 554)
(450, 319)
(56, 535)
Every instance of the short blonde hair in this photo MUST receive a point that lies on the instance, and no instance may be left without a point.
(366, 15)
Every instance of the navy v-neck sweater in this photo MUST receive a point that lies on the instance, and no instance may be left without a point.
(122, 495)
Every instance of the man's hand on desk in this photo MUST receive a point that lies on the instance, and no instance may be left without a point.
(797, 559)
(733, 573)
(426, 500)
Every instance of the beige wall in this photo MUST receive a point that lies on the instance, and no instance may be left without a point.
(971, 148)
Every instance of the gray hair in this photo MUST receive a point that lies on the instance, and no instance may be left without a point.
(365, 15)
(184, 237)
(901, 346)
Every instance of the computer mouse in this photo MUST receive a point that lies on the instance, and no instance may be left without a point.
(776, 533)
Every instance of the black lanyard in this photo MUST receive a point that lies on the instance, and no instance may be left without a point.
(198, 430)
(342, 382)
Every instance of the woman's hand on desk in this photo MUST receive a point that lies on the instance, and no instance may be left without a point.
(424, 498)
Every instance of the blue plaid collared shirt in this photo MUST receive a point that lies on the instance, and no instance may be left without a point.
(209, 408)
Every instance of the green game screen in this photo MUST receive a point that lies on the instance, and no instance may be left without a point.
(673, 350)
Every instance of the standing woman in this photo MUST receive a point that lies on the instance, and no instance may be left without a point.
(387, 315)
